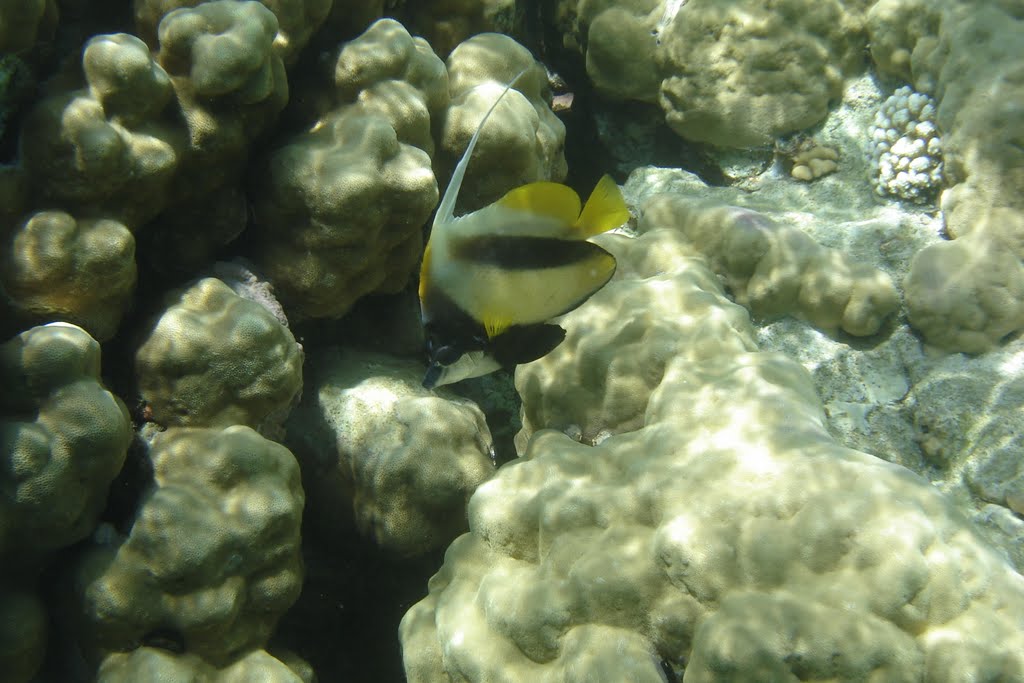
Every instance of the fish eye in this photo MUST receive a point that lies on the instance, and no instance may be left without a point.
(446, 355)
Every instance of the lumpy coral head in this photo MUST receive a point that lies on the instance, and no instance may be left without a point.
(214, 358)
(64, 438)
(81, 271)
(212, 557)
(726, 533)
(339, 208)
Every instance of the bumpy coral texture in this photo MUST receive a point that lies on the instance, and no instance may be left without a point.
(733, 73)
(621, 355)
(962, 295)
(967, 295)
(64, 438)
(57, 268)
(135, 133)
(103, 149)
(155, 664)
(297, 20)
(215, 359)
(382, 453)
(446, 23)
(905, 147)
(622, 43)
(523, 140)
(729, 534)
(230, 85)
(223, 47)
(339, 208)
(212, 559)
(776, 269)
(740, 74)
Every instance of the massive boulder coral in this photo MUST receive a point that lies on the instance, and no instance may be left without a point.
(739, 73)
(602, 388)
(733, 73)
(446, 23)
(775, 269)
(729, 535)
(135, 133)
(962, 295)
(64, 438)
(212, 558)
(296, 20)
(383, 455)
(156, 664)
(968, 295)
(620, 42)
(80, 271)
(339, 208)
(523, 140)
(223, 49)
(230, 85)
(104, 149)
(214, 359)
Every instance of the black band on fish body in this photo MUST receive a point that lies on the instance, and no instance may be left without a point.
(516, 252)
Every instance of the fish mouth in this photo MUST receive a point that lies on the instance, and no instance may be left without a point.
(432, 376)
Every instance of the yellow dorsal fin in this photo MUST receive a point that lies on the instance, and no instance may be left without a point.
(606, 209)
(545, 198)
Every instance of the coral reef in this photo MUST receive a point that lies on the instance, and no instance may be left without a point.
(152, 663)
(212, 557)
(23, 22)
(65, 437)
(961, 294)
(523, 140)
(78, 271)
(774, 269)
(729, 513)
(215, 359)
(384, 455)
(446, 23)
(103, 149)
(906, 147)
(230, 193)
(340, 206)
(714, 67)
(296, 21)
(813, 162)
(723, 84)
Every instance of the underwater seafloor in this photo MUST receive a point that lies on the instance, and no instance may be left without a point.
(783, 443)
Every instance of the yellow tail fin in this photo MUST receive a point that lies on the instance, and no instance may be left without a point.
(606, 209)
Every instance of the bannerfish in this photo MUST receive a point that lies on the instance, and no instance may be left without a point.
(491, 280)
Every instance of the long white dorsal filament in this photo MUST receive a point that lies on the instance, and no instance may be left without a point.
(446, 209)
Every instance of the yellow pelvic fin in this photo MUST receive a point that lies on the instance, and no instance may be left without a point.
(606, 209)
(544, 198)
(495, 326)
